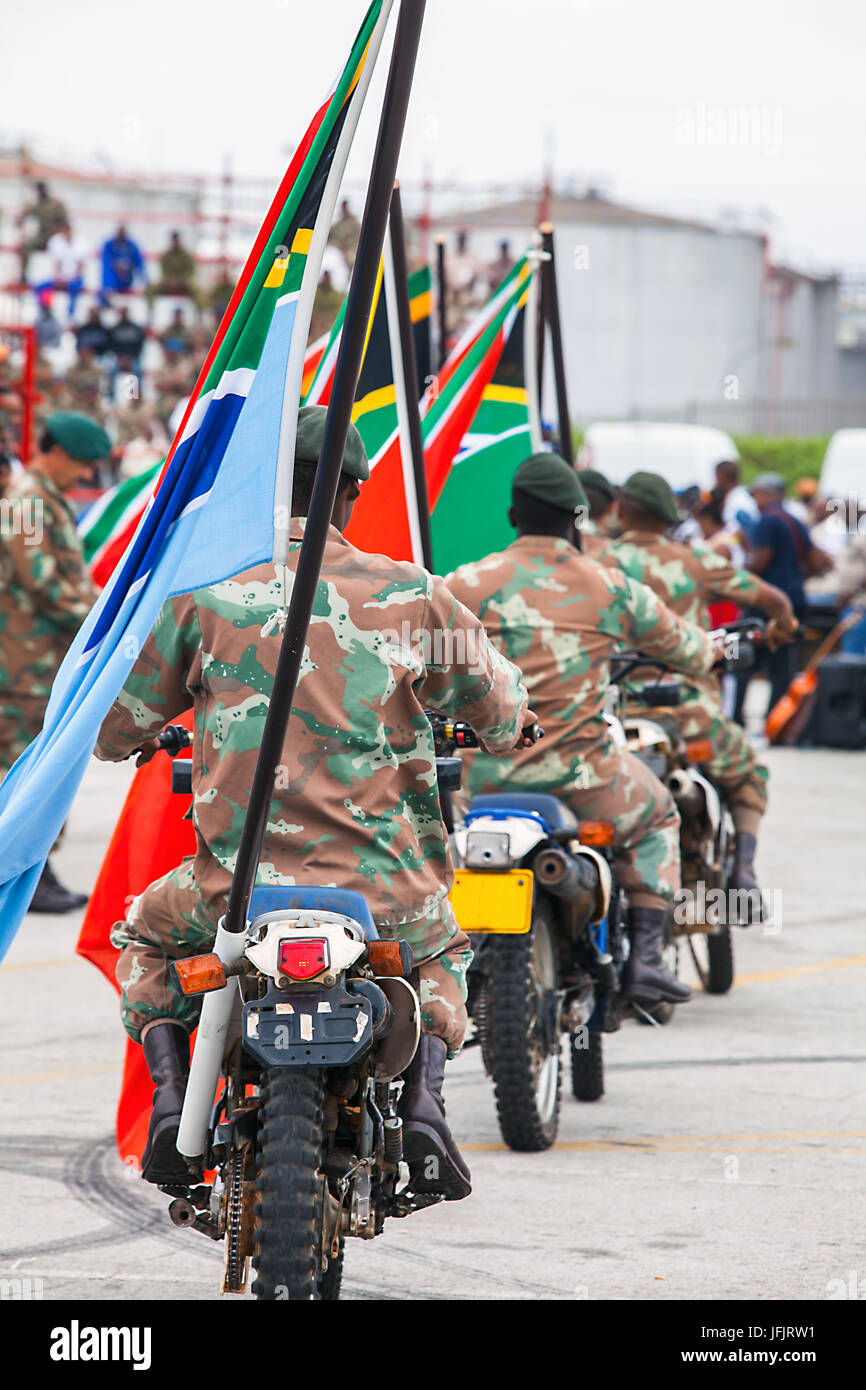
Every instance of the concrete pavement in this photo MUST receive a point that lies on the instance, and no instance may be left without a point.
(726, 1160)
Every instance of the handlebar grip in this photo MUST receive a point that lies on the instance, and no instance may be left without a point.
(173, 739)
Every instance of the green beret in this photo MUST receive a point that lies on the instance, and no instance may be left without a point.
(590, 477)
(552, 479)
(311, 433)
(80, 436)
(651, 490)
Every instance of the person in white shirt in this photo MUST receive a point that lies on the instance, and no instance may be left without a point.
(68, 255)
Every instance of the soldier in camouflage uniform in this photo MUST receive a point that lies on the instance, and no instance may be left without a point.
(45, 594)
(688, 579)
(356, 802)
(561, 616)
(600, 497)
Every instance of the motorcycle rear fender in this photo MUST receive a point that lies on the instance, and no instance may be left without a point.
(713, 800)
(524, 833)
(605, 878)
(647, 733)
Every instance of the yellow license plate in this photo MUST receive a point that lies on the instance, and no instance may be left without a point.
(500, 902)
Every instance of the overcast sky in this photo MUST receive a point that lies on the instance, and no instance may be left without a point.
(644, 96)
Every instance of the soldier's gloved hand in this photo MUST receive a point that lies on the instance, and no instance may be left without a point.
(146, 751)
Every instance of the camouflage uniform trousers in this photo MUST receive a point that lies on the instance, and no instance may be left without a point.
(169, 922)
(734, 767)
(616, 786)
(20, 722)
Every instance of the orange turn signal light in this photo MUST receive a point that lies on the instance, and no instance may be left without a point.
(390, 957)
(700, 750)
(200, 974)
(596, 833)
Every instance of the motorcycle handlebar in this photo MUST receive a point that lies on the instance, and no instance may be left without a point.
(459, 734)
(173, 739)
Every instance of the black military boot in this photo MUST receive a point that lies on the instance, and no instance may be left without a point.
(744, 880)
(646, 978)
(51, 896)
(166, 1051)
(434, 1160)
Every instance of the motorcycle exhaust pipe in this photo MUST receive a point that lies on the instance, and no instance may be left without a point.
(568, 876)
(687, 793)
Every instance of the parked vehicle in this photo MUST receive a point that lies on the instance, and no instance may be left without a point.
(685, 455)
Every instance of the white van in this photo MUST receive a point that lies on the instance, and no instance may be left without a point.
(843, 472)
(685, 455)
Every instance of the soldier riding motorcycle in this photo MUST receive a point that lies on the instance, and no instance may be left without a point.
(298, 1012)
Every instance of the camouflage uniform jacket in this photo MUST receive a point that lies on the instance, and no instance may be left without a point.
(356, 803)
(687, 578)
(560, 616)
(45, 589)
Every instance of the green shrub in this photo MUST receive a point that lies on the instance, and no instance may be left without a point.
(792, 457)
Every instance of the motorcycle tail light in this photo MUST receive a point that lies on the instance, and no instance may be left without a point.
(700, 750)
(200, 974)
(301, 958)
(597, 833)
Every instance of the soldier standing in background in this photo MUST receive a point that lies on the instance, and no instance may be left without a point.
(600, 497)
(45, 594)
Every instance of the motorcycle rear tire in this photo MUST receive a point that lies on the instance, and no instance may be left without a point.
(287, 1236)
(587, 1067)
(528, 1094)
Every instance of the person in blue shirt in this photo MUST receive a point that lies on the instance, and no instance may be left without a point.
(122, 261)
(783, 555)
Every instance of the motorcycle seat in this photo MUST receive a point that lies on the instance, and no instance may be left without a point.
(281, 897)
(555, 814)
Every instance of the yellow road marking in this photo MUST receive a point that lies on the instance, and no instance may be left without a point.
(35, 1078)
(724, 1143)
(45, 964)
(818, 967)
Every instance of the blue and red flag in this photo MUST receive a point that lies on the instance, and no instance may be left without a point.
(222, 485)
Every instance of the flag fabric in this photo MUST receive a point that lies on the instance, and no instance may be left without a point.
(381, 517)
(220, 471)
(499, 438)
(107, 527)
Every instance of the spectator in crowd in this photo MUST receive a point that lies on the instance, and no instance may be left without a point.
(345, 233)
(5, 473)
(143, 438)
(122, 263)
(49, 333)
(176, 337)
(177, 270)
(738, 507)
(802, 504)
(325, 308)
(93, 334)
(782, 554)
(83, 384)
(127, 339)
(466, 285)
(688, 502)
(68, 255)
(709, 515)
(499, 268)
(48, 215)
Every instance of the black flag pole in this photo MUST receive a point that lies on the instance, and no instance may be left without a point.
(346, 373)
(551, 298)
(442, 292)
(409, 360)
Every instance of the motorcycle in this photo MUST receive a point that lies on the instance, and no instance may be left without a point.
(534, 891)
(308, 1021)
(644, 714)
